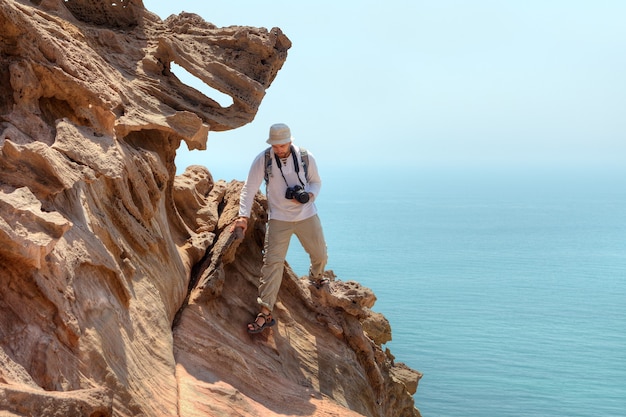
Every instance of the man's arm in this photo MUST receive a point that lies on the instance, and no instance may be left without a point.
(249, 190)
(314, 182)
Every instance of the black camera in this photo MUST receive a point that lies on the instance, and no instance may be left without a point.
(297, 193)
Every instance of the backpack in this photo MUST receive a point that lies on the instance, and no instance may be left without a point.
(304, 159)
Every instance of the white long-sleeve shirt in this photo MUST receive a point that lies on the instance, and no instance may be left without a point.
(281, 208)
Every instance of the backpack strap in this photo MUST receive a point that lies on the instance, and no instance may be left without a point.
(268, 165)
(304, 158)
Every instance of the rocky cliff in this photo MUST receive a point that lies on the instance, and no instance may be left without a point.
(122, 290)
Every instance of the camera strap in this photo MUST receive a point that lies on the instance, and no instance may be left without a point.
(295, 164)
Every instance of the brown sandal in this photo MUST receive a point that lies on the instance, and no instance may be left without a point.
(255, 327)
(319, 283)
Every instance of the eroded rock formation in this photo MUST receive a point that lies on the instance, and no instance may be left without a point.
(122, 290)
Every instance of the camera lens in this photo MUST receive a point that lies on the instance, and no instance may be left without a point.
(302, 196)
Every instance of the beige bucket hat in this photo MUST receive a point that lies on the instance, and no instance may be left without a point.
(279, 134)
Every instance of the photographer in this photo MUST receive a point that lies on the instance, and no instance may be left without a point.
(292, 184)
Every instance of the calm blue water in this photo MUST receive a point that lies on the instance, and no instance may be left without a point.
(507, 290)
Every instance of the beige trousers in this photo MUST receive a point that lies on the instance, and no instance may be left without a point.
(277, 238)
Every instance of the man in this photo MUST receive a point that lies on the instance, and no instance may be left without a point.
(292, 186)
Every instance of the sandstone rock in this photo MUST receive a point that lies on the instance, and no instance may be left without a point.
(29, 233)
(123, 291)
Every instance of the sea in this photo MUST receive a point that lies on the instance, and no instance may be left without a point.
(505, 287)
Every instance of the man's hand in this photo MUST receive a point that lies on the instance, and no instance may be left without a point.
(241, 222)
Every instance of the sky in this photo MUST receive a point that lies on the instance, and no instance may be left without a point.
(437, 84)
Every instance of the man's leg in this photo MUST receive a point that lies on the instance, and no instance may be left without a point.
(311, 237)
(277, 239)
